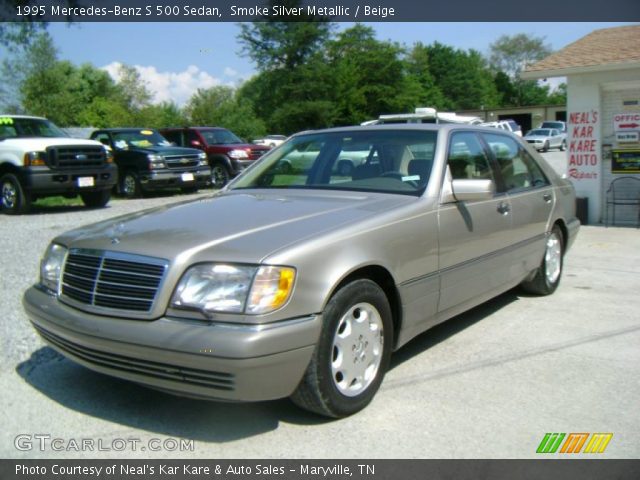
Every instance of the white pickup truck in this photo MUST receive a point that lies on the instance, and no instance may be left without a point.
(37, 159)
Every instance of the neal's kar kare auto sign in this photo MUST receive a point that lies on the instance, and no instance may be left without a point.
(584, 146)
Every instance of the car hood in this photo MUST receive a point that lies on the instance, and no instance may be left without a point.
(233, 226)
(165, 151)
(41, 143)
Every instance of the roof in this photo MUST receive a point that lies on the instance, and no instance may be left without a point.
(606, 49)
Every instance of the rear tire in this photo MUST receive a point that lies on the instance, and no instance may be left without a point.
(96, 199)
(14, 199)
(352, 354)
(547, 276)
(219, 175)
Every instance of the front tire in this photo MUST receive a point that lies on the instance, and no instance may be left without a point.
(130, 185)
(547, 276)
(563, 146)
(97, 199)
(352, 354)
(546, 147)
(14, 199)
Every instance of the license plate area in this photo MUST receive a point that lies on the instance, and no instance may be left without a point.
(84, 182)
(187, 177)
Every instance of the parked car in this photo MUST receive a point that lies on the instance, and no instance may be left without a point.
(508, 125)
(228, 154)
(271, 140)
(147, 161)
(303, 285)
(558, 125)
(37, 160)
(546, 138)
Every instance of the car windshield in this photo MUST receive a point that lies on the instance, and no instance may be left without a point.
(139, 139)
(542, 132)
(387, 161)
(557, 125)
(15, 127)
(219, 137)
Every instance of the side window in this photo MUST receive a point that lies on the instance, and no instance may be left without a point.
(517, 169)
(174, 137)
(103, 138)
(467, 158)
(190, 137)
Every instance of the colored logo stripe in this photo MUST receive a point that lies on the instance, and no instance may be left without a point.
(574, 443)
(598, 442)
(550, 443)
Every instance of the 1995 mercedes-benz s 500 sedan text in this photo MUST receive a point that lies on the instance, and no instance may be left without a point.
(301, 281)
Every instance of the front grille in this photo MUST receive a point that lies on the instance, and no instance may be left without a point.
(256, 153)
(182, 161)
(111, 280)
(76, 156)
(122, 363)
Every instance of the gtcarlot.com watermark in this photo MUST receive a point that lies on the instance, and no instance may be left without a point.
(47, 443)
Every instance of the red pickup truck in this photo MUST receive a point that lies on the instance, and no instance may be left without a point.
(228, 155)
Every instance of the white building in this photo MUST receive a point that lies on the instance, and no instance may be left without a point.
(603, 113)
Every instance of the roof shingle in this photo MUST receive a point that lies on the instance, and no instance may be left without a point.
(608, 46)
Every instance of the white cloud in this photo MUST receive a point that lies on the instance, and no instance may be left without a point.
(230, 72)
(169, 86)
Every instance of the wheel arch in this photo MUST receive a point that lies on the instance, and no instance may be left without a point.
(383, 278)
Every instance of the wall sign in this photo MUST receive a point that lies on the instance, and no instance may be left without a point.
(625, 122)
(584, 150)
(625, 161)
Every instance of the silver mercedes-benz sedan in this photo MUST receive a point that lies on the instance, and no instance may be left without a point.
(301, 283)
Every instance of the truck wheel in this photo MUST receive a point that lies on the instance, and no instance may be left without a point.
(96, 199)
(130, 185)
(14, 199)
(352, 354)
(219, 175)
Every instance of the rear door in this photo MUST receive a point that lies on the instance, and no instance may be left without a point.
(531, 198)
(473, 236)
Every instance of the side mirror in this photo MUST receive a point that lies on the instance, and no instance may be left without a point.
(473, 190)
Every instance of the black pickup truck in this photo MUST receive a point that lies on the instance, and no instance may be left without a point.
(147, 161)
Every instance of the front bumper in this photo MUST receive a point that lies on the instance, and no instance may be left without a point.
(46, 181)
(163, 179)
(215, 361)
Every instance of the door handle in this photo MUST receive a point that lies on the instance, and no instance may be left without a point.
(504, 208)
(547, 197)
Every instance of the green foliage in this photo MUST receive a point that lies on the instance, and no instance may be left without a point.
(220, 106)
(512, 53)
(281, 44)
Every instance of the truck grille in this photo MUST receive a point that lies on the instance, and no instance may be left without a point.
(256, 153)
(76, 156)
(182, 161)
(109, 280)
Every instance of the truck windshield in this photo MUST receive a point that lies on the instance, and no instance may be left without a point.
(16, 127)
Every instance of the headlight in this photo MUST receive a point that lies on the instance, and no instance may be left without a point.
(156, 161)
(202, 159)
(238, 154)
(234, 288)
(51, 267)
(108, 154)
(35, 159)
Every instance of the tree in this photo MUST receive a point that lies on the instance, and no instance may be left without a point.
(512, 53)
(132, 88)
(418, 68)
(462, 77)
(274, 44)
(220, 106)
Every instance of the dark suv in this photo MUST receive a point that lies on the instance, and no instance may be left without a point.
(147, 161)
(228, 155)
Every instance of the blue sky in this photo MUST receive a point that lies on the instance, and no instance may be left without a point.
(177, 58)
